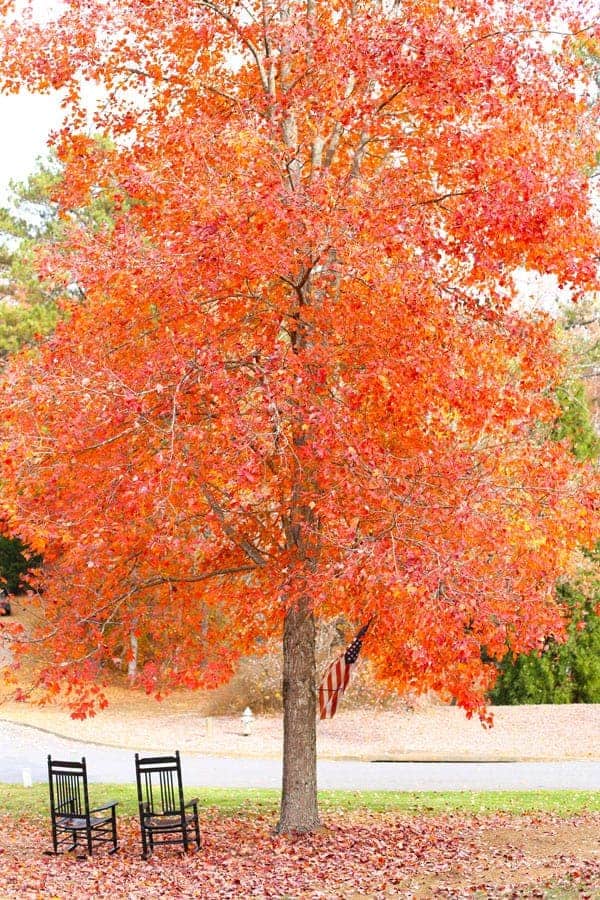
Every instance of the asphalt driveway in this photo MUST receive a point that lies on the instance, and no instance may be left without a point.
(23, 747)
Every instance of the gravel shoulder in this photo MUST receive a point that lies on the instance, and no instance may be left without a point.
(437, 733)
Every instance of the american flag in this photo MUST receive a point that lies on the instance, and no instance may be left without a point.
(336, 678)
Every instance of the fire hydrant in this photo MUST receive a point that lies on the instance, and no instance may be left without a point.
(247, 721)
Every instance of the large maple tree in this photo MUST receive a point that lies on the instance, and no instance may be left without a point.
(293, 381)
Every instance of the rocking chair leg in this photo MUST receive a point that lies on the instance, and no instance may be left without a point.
(145, 853)
(54, 839)
(115, 842)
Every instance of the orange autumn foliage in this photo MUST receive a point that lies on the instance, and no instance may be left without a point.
(294, 366)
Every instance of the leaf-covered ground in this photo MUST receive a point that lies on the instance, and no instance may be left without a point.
(355, 856)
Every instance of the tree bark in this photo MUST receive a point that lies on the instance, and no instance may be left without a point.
(299, 810)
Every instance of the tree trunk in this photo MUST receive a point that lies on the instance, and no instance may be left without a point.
(299, 811)
(133, 659)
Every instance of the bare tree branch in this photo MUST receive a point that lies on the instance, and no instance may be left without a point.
(243, 543)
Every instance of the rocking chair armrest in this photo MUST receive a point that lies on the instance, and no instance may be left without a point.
(108, 805)
(193, 802)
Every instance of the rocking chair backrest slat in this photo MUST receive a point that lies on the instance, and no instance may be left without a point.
(159, 783)
(148, 786)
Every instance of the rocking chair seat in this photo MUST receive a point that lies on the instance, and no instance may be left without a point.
(167, 823)
(75, 823)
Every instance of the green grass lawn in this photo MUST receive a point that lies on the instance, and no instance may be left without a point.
(16, 800)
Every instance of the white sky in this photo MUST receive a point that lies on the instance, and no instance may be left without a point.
(26, 120)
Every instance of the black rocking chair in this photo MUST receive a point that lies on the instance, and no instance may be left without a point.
(165, 818)
(70, 811)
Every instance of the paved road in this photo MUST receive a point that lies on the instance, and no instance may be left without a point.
(24, 747)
